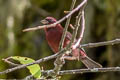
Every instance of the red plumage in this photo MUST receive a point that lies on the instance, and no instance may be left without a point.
(53, 36)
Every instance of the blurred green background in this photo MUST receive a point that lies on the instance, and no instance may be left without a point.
(102, 24)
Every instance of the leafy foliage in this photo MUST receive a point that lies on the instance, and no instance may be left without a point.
(34, 69)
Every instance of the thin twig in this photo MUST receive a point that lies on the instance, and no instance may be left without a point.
(61, 20)
(82, 31)
(77, 25)
(9, 62)
(72, 27)
(58, 62)
(111, 42)
(66, 26)
(89, 45)
(66, 12)
(36, 62)
(81, 71)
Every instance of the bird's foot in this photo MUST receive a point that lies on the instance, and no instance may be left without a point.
(69, 58)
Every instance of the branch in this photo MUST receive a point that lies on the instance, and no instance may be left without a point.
(66, 26)
(89, 45)
(9, 62)
(81, 71)
(77, 25)
(59, 62)
(111, 42)
(82, 30)
(36, 62)
(61, 20)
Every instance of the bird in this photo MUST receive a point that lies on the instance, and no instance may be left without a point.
(53, 36)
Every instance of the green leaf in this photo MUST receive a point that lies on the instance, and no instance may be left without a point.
(34, 69)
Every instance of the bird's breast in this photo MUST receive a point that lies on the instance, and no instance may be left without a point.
(53, 37)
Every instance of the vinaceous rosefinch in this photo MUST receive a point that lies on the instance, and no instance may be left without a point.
(53, 36)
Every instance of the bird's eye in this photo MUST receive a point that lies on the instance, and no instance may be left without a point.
(50, 20)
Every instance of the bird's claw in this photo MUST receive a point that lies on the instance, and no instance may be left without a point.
(69, 58)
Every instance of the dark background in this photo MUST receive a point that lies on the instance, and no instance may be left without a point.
(102, 24)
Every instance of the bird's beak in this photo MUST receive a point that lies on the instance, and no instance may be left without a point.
(44, 21)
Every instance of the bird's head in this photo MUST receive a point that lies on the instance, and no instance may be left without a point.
(48, 20)
(51, 20)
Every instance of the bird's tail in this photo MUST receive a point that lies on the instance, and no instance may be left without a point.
(89, 63)
(79, 54)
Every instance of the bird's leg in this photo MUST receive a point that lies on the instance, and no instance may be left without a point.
(69, 58)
